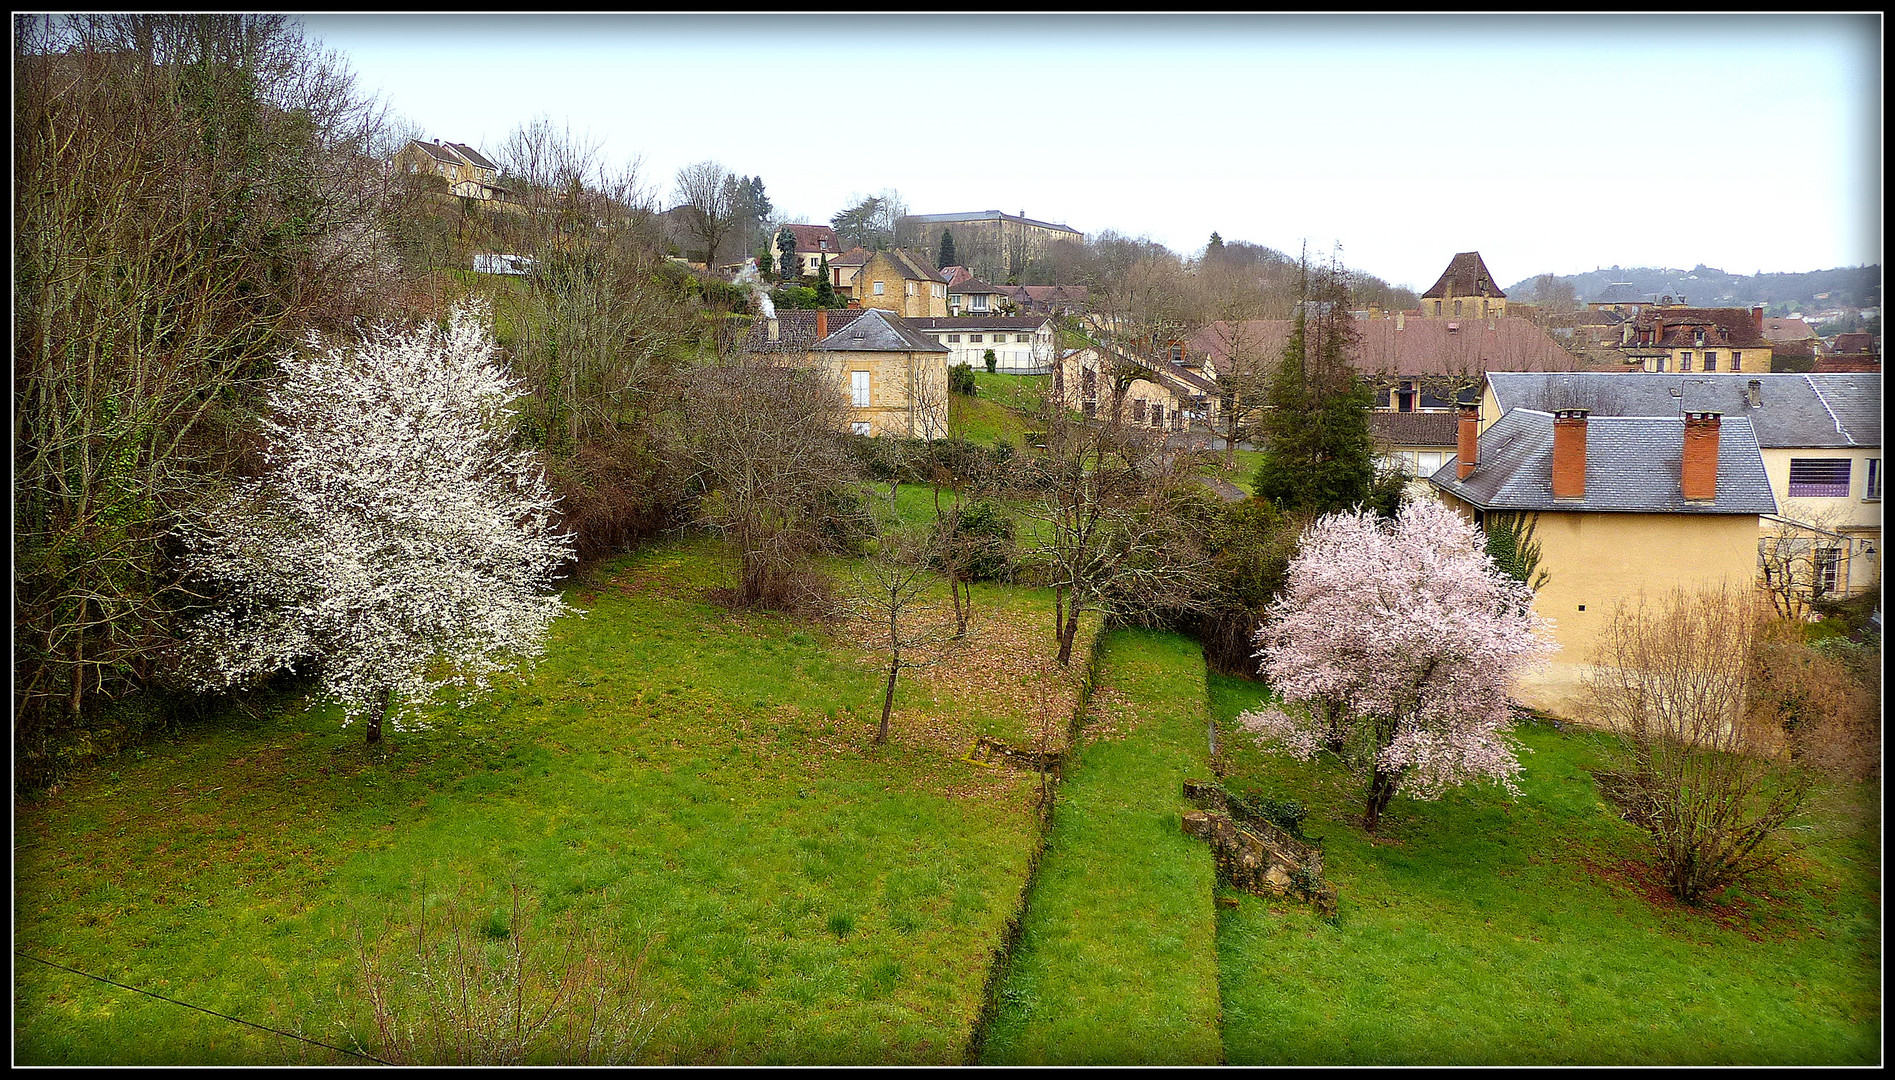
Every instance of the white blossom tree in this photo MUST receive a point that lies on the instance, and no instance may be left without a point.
(396, 544)
(1394, 646)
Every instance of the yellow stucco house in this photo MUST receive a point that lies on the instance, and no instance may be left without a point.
(894, 376)
(1820, 436)
(468, 173)
(903, 282)
(1159, 393)
(1621, 505)
(1686, 340)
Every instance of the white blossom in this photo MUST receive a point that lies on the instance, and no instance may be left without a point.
(396, 543)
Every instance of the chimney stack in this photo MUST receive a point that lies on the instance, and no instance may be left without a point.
(1569, 454)
(1467, 446)
(1699, 473)
(1399, 319)
(1753, 394)
(822, 324)
(1756, 320)
(773, 330)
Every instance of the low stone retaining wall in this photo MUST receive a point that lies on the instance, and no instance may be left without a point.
(1256, 856)
(993, 752)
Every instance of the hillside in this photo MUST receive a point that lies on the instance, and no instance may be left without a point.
(1840, 287)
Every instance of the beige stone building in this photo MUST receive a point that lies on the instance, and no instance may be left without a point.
(1465, 290)
(1698, 340)
(1621, 505)
(1022, 344)
(894, 377)
(468, 174)
(1158, 393)
(991, 243)
(901, 281)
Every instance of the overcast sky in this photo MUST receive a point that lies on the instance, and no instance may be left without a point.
(1556, 145)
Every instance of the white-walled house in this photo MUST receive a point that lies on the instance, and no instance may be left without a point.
(1022, 344)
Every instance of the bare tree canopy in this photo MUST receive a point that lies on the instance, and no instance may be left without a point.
(707, 198)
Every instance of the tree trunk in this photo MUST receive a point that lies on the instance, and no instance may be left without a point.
(1067, 632)
(888, 699)
(375, 717)
(1381, 790)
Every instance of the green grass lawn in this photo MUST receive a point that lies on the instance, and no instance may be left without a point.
(1116, 962)
(673, 777)
(1480, 929)
(1243, 470)
(1020, 393)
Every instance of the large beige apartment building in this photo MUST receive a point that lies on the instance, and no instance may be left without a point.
(988, 242)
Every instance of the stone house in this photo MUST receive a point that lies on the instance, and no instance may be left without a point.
(901, 281)
(813, 243)
(1157, 392)
(895, 377)
(468, 173)
(1698, 339)
(1465, 290)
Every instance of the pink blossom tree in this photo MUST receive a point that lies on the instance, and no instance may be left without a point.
(397, 543)
(1393, 646)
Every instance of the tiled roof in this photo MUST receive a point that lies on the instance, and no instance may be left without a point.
(1466, 275)
(1180, 379)
(1854, 362)
(1025, 324)
(809, 240)
(796, 330)
(973, 285)
(440, 152)
(1859, 342)
(879, 331)
(1678, 328)
(1415, 428)
(1779, 330)
(1411, 346)
(1819, 410)
(1633, 465)
(914, 267)
(855, 256)
(956, 274)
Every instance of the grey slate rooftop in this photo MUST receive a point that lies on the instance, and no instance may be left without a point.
(1633, 465)
(879, 331)
(1831, 409)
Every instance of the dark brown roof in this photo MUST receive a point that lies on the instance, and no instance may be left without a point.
(855, 256)
(915, 267)
(1466, 275)
(809, 239)
(1410, 346)
(472, 155)
(796, 330)
(1854, 362)
(1414, 428)
(1779, 330)
(1859, 342)
(1678, 328)
(973, 285)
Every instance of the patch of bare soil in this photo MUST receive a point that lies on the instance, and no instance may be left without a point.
(1734, 912)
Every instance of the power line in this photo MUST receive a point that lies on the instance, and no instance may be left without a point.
(202, 1009)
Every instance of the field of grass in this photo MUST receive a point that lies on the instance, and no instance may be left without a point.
(1116, 962)
(1020, 393)
(684, 782)
(1480, 929)
(1243, 470)
(984, 422)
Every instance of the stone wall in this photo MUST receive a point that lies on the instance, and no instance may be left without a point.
(1253, 855)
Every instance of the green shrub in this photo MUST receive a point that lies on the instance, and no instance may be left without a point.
(985, 536)
(961, 378)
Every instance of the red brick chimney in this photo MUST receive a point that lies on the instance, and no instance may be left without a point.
(1569, 454)
(1467, 446)
(1756, 320)
(822, 324)
(1698, 475)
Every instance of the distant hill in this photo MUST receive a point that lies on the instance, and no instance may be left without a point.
(1703, 286)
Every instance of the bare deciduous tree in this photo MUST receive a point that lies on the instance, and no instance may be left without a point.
(707, 196)
(1704, 770)
(889, 589)
(767, 440)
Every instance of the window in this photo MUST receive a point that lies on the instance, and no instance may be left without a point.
(1457, 307)
(1437, 307)
(954, 339)
(1819, 477)
(1873, 489)
(859, 388)
(940, 291)
(911, 287)
(1138, 411)
(1177, 353)
(1157, 415)
(860, 427)
(1384, 397)
(1710, 361)
(1684, 360)
(1429, 462)
(1828, 561)
(1405, 398)
(973, 339)
(880, 288)
(1737, 360)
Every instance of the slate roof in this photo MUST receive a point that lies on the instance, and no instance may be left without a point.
(1415, 428)
(985, 215)
(1622, 292)
(1817, 410)
(1181, 380)
(1633, 465)
(914, 267)
(1466, 275)
(473, 155)
(876, 330)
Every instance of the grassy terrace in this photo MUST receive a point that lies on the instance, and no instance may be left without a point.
(673, 777)
(1480, 929)
(1116, 962)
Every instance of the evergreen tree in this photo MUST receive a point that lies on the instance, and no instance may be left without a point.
(947, 249)
(825, 291)
(1215, 248)
(1318, 455)
(786, 251)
